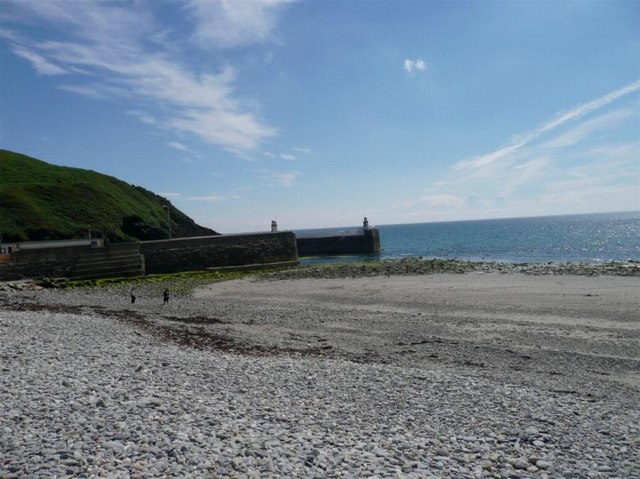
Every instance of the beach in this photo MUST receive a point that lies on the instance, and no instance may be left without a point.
(493, 373)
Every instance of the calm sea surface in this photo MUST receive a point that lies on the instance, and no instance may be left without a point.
(592, 238)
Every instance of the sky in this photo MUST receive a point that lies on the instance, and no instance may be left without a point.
(317, 113)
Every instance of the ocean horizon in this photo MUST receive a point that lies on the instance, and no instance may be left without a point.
(593, 238)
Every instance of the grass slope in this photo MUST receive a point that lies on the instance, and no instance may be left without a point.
(43, 201)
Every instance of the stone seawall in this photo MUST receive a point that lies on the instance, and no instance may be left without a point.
(162, 256)
(41, 263)
(186, 254)
(366, 242)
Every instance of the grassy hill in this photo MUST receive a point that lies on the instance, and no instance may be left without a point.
(42, 201)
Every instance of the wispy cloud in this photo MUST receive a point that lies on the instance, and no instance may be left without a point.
(581, 160)
(285, 179)
(522, 174)
(559, 120)
(279, 178)
(178, 146)
(612, 184)
(39, 63)
(96, 91)
(228, 23)
(615, 151)
(211, 198)
(286, 156)
(299, 149)
(122, 51)
(237, 131)
(414, 65)
(582, 131)
(184, 149)
(143, 116)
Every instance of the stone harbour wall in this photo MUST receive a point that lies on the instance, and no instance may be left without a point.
(162, 256)
(191, 254)
(42, 263)
(365, 243)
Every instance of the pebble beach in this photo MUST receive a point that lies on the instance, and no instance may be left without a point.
(485, 373)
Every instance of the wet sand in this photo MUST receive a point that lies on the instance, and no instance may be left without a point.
(532, 328)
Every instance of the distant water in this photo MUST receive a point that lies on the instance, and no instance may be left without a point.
(589, 238)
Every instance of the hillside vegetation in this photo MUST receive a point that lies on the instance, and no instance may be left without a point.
(41, 201)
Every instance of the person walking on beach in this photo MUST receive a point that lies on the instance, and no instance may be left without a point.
(132, 293)
(165, 296)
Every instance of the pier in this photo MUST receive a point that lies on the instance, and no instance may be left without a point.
(365, 240)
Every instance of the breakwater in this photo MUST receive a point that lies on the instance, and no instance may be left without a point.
(362, 241)
(191, 254)
(151, 257)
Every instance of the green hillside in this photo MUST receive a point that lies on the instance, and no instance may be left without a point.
(41, 201)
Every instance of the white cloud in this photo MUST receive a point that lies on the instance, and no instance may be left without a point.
(414, 65)
(629, 151)
(143, 116)
(556, 122)
(184, 149)
(523, 173)
(285, 179)
(300, 149)
(39, 63)
(96, 92)
(550, 170)
(178, 146)
(288, 157)
(111, 41)
(586, 128)
(238, 131)
(489, 158)
(212, 198)
(279, 178)
(596, 186)
(585, 108)
(233, 23)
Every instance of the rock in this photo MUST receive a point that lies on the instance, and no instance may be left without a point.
(74, 405)
(521, 464)
(542, 464)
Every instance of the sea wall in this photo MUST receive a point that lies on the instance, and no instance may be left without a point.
(161, 256)
(42, 263)
(190, 254)
(367, 242)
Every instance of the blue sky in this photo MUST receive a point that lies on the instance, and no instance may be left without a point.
(318, 113)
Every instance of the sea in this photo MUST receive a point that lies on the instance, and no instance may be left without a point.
(591, 238)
